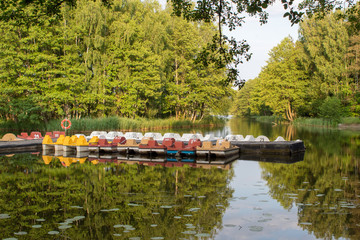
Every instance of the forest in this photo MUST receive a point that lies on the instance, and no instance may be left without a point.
(315, 76)
(135, 59)
(131, 59)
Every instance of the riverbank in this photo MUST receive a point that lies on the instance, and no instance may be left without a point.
(114, 124)
(349, 123)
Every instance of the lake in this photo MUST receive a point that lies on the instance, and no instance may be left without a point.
(314, 198)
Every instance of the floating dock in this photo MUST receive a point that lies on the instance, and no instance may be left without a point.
(278, 148)
(210, 150)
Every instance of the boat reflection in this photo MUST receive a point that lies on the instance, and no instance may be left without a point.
(67, 158)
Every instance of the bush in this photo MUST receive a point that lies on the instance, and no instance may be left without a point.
(331, 110)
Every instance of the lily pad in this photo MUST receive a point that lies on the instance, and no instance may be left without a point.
(63, 227)
(53, 232)
(10, 239)
(305, 223)
(40, 220)
(153, 225)
(20, 233)
(229, 225)
(265, 220)
(194, 209)
(78, 218)
(157, 238)
(135, 238)
(133, 204)
(177, 217)
(189, 232)
(202, 235)
(165, 206)
(155, 213)
(36, 226)
(4, 216)
(256, 228)
(117, 234)
(79, 207)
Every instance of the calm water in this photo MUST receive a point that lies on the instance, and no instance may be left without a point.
(318, 197)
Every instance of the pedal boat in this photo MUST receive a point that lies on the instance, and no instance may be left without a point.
(58, 145)
(130, 146)
(179, 148)
(150, 146)
(103, 145)
(69, 144)
(223, 148)
(82, 145)
(48, 144)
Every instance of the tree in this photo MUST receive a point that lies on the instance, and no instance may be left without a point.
(325, 42)
(281, 86)
(226, 13)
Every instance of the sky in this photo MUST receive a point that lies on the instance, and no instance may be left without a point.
(261, 38)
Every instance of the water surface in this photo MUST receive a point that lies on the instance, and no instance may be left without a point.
(318, 197)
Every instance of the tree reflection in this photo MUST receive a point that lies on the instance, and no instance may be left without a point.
(324, 187)
(131, 200)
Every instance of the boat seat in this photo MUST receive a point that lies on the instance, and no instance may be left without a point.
(168, 142)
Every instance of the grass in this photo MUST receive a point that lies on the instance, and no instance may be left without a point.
(315, 122)
(113, 124)
(309, 121)
(350, 120)
(326, 123)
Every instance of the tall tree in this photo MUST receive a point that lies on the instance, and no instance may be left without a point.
(325, 43)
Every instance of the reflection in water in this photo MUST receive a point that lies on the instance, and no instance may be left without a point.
(325, 187)
(86, 201)
(309, 196)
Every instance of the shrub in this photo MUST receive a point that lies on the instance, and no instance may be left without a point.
(331, 109)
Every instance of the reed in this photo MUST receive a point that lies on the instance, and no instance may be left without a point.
(315, 122)
(111, 124)
(126, 124)
(350, 120)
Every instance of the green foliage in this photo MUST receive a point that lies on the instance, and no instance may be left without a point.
(280, 87)
(350, 120)
(126, 124)
(331, 109)
(130, 59)
(109, 194)
(300, 77)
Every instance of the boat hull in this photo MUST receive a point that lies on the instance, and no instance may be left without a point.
(48, 147)
(217, 153)
(82, 148)
(159, 151)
